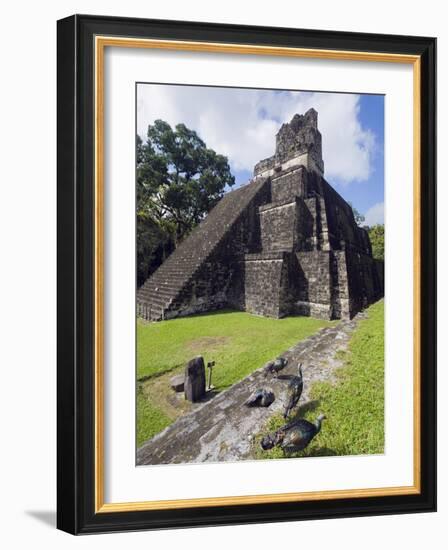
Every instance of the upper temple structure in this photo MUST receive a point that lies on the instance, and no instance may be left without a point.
(284, 244)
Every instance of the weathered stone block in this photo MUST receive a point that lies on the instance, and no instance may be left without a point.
(177, 382)
(194, 385)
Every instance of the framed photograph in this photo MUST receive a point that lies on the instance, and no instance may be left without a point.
(246, 274)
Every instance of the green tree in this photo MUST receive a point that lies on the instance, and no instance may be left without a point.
(154, 244)
(179, 180)
(376, 234)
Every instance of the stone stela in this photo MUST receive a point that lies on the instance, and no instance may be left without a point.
(284, 244)
(194, 384)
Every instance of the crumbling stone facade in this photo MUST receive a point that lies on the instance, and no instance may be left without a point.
(287, 243)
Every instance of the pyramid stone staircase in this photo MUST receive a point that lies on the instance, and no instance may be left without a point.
(161, 296)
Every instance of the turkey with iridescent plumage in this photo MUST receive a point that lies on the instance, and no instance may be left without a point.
(261, 398)
(293, 392)
(294, 436)
(274, 367)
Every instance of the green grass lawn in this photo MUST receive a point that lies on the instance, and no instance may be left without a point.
(239, 343)
(354, 405)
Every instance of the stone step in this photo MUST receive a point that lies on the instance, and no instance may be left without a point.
(152, 314)
(194, 253)
(178, 269)
(154, 304)
(158, 288)
(161, 300)
(170, 285)
(165, 293)
(177, 273)
(175, 277)
(156, 301)
(160, 281)
(179, 264)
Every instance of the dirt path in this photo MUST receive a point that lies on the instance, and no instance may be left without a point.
(221, 429)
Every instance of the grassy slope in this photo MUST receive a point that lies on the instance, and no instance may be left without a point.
(237, 341)
(150, 419)
(354, 406)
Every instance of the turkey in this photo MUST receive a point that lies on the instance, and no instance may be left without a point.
(274, 367)
(260, 398)
(294, 391)
(294, 436)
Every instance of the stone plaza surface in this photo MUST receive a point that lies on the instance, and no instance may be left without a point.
(286, 243)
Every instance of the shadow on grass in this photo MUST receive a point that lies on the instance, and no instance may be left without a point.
(223, 311)
(319, 452)
(322, 451)
(158, 374)
(309, 406)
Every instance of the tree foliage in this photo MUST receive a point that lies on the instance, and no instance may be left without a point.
(179, 180)
(376, 234)
(154, 244)
(359, 218)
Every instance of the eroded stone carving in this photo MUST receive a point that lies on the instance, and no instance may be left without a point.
(194, 385)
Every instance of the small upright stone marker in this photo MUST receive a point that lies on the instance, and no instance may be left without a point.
(177, 382)
(194, 385)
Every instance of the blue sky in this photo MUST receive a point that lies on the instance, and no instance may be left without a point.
(242, 123)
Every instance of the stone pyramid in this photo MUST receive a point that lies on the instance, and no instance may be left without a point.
(284, 244)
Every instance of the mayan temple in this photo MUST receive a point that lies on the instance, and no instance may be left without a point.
(284, 244)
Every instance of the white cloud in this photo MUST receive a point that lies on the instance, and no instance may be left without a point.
(375, 214)
(242, 123)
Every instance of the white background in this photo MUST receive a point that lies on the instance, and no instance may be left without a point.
(27, 286)
(124, 482)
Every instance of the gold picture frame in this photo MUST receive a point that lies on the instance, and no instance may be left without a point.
(102, 33)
